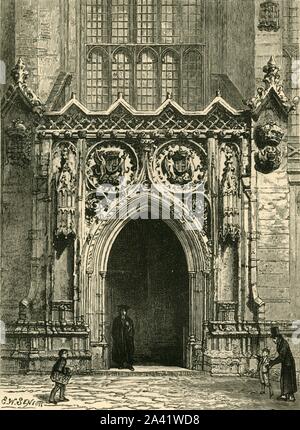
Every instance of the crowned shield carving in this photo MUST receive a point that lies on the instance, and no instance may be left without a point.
(111, 165)
(180, 165)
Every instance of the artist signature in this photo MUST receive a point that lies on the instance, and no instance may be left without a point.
(20, 402)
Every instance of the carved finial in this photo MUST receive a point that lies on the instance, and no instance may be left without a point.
(270, 80)
(120, 95)
(272, 76)
(169, 95)
(218, 93)
(73, 95)
(19, 72)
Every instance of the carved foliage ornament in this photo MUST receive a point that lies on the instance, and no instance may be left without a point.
(64, 177)
(269, 16)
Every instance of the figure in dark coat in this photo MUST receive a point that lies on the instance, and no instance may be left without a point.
(288, 384)
(60, 375)
(123, 339)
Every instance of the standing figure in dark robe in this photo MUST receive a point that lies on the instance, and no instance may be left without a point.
(123, 339)
(288, 384)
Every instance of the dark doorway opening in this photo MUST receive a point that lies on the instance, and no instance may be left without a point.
(147, 271)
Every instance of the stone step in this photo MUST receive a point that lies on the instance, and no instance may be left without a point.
(152, 371)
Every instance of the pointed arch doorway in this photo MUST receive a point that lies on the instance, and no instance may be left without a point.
(96, 305)
(147, 270)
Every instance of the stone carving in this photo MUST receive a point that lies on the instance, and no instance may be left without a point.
(180, 164)
(271, 80)
(269, 134)
(92, 207)
(269, 16)
(64, 174)
(108, 164)
(18, 147)
(20, 75)
(226, 311)
(267, 159)
(168, 121)
(229, 195)
(267, 138)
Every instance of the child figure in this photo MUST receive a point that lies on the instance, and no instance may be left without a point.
(60, 375)
(264, 375)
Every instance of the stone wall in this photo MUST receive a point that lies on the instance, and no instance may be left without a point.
(16, 225)
(277, 207)
(38, 26)
(239, 36)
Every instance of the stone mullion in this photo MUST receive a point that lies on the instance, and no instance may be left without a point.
(133, 59)
(108, 70)
(180, 76)
(158, 70)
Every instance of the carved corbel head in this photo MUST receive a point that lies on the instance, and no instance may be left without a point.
(267, 138)
(269, 134)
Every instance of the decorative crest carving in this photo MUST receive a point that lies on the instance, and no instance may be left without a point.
(269, 16)
(180, 164)
(106, 164)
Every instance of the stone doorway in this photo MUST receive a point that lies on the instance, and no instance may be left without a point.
(147, 271)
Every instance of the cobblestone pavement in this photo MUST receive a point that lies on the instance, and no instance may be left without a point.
(141, 392)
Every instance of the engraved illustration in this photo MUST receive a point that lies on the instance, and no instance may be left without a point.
(150, 198)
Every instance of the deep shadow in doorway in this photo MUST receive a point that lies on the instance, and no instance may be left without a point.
(147, 271)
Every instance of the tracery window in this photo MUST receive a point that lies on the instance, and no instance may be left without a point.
(121, 75)
(191, 20)
(169, 26)
(97, 82)
(192, 79)
(121, 30)
(146, 81)
(96, 21)
(146, 21)
(119, 21)
(170, 78)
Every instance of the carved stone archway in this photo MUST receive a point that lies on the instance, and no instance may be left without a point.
(94, 274)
